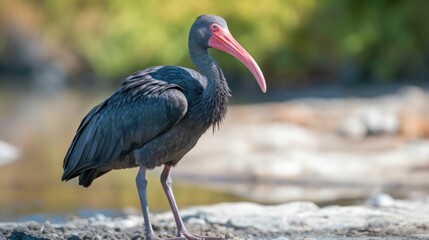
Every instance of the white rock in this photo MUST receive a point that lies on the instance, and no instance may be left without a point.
(370, 120)
(8, 153)
(378, 121)
(381, 200)
(353, 127)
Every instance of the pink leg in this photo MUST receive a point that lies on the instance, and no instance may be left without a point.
(166, 184)
(141, 187)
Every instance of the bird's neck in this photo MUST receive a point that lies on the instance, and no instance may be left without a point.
(216, 93)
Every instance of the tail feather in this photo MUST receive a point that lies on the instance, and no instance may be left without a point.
(87, 177)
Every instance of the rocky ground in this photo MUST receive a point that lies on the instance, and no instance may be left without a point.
(381, 217)
(320, 150)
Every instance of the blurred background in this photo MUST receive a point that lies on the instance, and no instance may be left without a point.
(345, 116)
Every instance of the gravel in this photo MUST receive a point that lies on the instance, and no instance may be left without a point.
(378, 219)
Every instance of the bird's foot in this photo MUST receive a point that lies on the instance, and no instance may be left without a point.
(191, 236)
(155, 237)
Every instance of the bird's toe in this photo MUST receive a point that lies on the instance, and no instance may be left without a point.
(191, 236)
(155, 237)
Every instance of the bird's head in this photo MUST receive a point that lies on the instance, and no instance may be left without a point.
(211, 31)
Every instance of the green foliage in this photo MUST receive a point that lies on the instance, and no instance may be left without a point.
(379, 40)
(291, 40)
(118, 37)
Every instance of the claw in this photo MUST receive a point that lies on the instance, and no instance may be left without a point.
(191, 236)
(155, 237)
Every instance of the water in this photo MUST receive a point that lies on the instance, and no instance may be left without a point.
(42, 127)
(31, 192)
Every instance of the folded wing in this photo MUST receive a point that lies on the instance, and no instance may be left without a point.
(140, 110)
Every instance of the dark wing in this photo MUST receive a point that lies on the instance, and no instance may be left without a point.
(140, 110)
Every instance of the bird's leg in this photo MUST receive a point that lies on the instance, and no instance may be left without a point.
(141, 183)
(166, 184)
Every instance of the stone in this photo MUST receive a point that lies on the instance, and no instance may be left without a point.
(370, 121)
(8, 153)
(381, 200)
(353, 127)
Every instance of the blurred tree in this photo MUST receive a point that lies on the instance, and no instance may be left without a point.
(293, 41)
(117, 37)
(354, 40)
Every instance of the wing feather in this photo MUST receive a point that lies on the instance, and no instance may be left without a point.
(140, 110)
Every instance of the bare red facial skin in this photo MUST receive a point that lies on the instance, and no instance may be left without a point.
(222, 39)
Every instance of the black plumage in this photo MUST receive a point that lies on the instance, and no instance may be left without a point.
(147, 105)
(157, 116)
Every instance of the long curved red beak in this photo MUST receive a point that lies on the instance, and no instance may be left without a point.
(224, 41)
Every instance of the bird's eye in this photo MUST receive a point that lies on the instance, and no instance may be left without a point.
(214, 27)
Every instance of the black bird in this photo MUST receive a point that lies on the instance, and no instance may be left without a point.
(157, 116)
